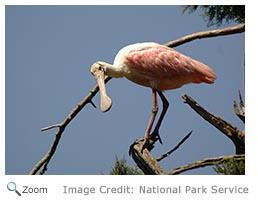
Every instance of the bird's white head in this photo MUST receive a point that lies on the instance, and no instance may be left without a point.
(98, 70)
(97, 67)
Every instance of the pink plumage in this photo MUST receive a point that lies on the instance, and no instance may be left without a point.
(160, 67)
(155, 66)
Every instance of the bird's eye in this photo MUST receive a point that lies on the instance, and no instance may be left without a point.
(100, 67)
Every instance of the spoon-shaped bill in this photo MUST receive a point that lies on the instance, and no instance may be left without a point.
(105, 100)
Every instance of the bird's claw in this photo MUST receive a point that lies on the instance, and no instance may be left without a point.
(155, 136)
(145, 143)
(138, 141)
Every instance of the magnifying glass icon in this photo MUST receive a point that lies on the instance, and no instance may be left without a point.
(11, 186)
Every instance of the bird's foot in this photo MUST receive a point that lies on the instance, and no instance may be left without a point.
(136, 142)
(144, 143)
(154, 136)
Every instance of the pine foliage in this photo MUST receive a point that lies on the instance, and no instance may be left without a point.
(219, 14)
(122, 168)
(231, 167)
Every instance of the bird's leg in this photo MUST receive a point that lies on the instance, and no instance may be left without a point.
(150, 139)
(155, 133)
(151, 121)
(153, 115)
(145, 141)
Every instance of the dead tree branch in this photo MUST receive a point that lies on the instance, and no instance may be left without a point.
(175, 148)
(207, 34)
(206, 162)
(43, 163)
(145, 161)
(240, 112)
(234, 134)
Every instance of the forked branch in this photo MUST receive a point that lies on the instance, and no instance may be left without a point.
(240, 111)
(233, 133)
(43, 163)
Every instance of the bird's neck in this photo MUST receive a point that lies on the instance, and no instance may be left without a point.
(114, 71)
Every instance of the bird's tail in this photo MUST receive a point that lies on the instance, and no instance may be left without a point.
(204, 73)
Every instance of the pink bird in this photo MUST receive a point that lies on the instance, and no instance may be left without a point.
(152, 65)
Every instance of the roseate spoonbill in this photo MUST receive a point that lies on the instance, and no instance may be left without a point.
(152, 65)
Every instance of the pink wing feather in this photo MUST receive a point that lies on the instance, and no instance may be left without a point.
(164, 68)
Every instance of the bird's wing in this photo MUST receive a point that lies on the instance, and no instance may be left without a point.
(158, 60)
(161, 61)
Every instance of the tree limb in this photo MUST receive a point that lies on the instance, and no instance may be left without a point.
(205, 162)
(43, 163)
(240, 112)
(175, 148)
(233, 133)
(207, 34)
(144, 160)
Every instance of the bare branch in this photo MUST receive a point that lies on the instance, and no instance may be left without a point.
(206, 162)
(150, 166)
(144, 160)
(233, 133)
(240, 112)
(207, 34)
(175, 148)
(46, 159)
(50, 127)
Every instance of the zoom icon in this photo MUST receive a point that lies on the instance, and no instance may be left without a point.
(11, 186)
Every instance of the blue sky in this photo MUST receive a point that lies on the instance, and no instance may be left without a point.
(49, 51)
